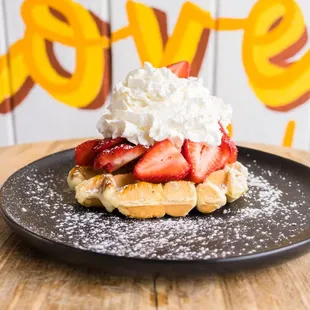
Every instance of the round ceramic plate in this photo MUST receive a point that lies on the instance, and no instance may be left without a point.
(271, 222)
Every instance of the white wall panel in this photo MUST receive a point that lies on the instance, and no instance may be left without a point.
(125, 56)
(253, 121)
(6, 127)
(41, 116)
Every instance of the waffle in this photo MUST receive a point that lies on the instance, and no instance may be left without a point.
(137, 199)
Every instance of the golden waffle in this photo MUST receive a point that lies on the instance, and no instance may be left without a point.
(147, 200)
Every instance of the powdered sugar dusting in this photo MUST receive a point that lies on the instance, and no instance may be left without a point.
(273, 213)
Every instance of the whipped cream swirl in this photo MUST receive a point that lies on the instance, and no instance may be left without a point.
(153, 104)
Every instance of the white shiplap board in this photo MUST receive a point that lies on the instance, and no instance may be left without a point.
(124, 53)
(40, 116)
(252, 120)
(305, 8)
(6, 121)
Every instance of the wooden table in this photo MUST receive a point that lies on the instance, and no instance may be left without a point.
(30, 280)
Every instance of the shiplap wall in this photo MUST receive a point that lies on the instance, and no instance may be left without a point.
(252, 120)
(6, 120)
(41, 117)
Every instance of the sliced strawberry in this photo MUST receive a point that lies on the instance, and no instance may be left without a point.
(202, 158)
(118, 156)
(225, 155)
(233, 152)
(162, 163)
(227, 143)
(180, 69)
(223, 131)
(84, 155)
(107, 144)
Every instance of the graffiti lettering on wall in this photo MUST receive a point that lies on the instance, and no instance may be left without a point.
(273, 32)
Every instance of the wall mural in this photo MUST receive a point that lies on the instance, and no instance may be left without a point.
(273, 32)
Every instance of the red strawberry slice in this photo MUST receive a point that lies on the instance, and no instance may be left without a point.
(180, 69)
(225, 154)
(228, 146)
(118, 156)
(162, 163)
(233, 152)
(108, 143)
(225, 135)
(84, 155)
(203, 159)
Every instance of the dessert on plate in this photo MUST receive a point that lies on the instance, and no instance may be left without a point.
(165, 149)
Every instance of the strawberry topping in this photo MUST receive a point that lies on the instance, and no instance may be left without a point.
(233, 152)
(118, 156)
(180, 69)
(225, 154)
(162, 163)
(203, 159)
(228, 147)
(108, 143)
(84, 154)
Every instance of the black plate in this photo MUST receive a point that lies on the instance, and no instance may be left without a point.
(271, 222)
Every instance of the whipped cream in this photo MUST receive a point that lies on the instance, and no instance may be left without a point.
(153, 104)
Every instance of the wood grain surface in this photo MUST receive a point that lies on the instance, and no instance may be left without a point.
(30, 280)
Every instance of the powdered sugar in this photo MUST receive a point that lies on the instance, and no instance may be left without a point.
(272, 214)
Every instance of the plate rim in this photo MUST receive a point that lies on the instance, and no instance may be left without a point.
(209, 261)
